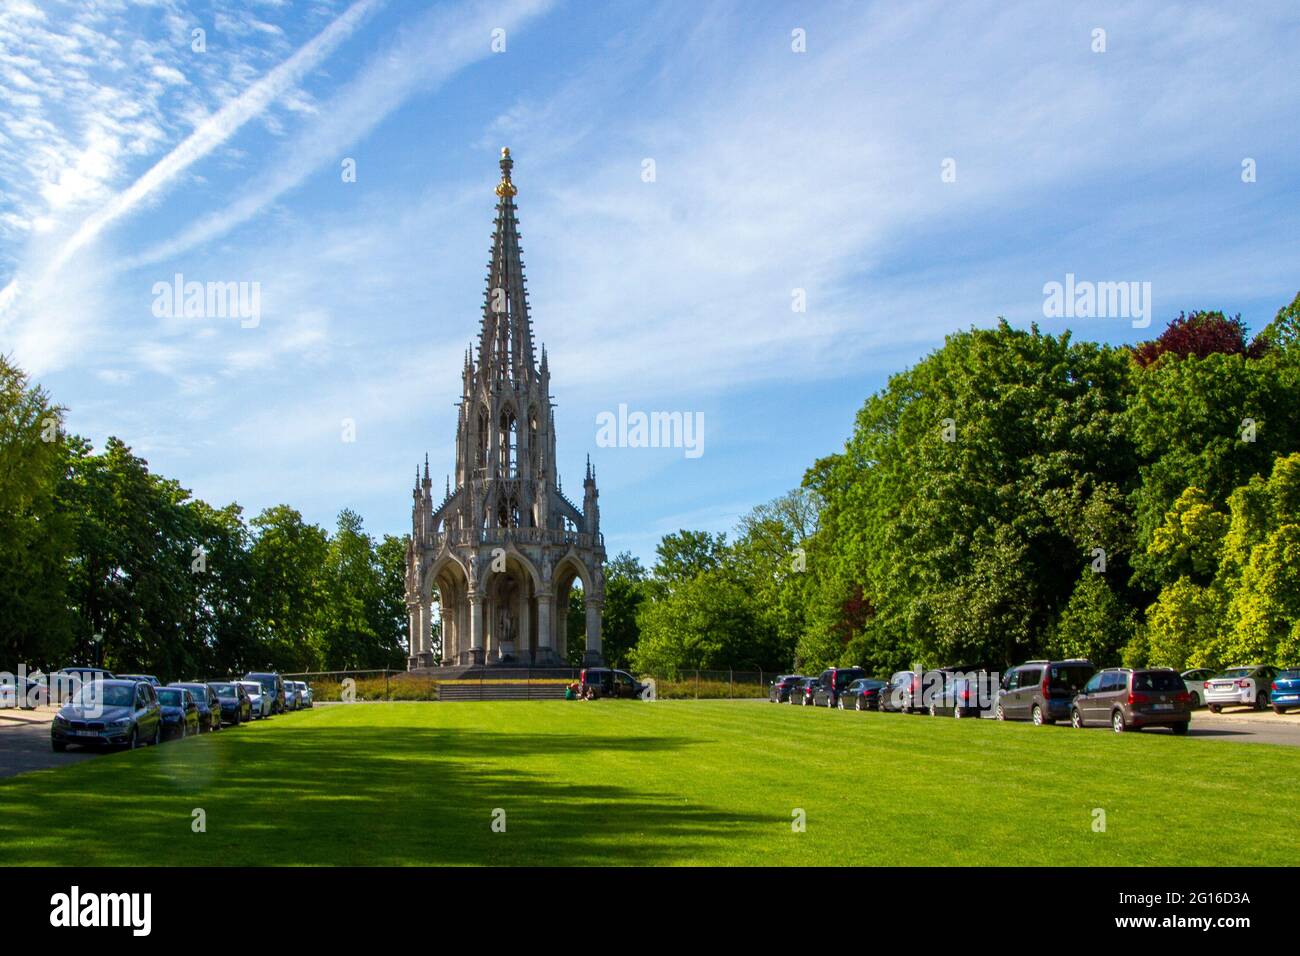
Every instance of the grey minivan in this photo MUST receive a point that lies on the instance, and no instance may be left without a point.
(1132, 699)
(1041, 691)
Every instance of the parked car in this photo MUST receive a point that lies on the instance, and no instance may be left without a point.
(1195, 681)
(147, 678)
(802, 691)
(958, 691)
(779, 693)
(236, 708)
(862, 694)
(23, 693)
(832, 683)
(305, 698)
(180, 712)
(1240, 686)
(595, 682)
(208, 703)
(271, 681)
(1042, 691)
(1285, 690)
(112, 713)
(903, 693)
(259, 701)
(291, 701)
(1133, 699)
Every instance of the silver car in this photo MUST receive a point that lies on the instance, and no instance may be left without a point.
(305, 699)
(1195, 682)
(1239, 687)
(257, 697)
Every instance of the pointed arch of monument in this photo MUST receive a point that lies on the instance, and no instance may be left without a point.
(572, 560)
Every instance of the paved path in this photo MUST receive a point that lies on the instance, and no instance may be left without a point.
(25, 743)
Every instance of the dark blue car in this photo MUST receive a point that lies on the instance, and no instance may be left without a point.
(209, 705)
(236, 708)
(180, 712)
(1285, 691)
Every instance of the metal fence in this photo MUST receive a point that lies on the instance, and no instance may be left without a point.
(391, 685)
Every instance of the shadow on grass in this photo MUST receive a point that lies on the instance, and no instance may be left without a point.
(365, 796)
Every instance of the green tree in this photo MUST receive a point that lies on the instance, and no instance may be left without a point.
(624, 591)
(287, 564)
(36, 627)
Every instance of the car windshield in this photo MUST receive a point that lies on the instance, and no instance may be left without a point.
(111, 695)
(1288, 675)
(225, 690)
(1236, 672)
(1158, 680)
(169, 697)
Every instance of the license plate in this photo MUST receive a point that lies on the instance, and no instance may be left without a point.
(1162, 707)
(85, 733)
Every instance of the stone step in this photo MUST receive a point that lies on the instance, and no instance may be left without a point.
(485, 691)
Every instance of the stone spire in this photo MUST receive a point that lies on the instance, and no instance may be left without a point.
(506, 340)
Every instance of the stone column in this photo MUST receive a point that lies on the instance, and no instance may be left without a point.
(475, 655)
(412, 633)
(546, 655)
(593, 658)
(426, 637)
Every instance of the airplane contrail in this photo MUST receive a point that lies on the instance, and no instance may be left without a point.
(209, 134)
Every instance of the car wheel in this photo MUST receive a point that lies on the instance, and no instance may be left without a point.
(1215, 709)
(1261, 701)
(1076, 718)
(1179, 729)
(1278, 710)
(1117, 722)
(1037, 716)
(1196, 699)
(134, 740)
(841, 703)
(857, 704)
(1001, 714)
(59, 746)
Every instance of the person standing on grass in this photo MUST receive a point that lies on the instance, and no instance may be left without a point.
(834, 694)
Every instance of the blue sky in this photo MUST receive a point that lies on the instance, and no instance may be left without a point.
(126, 157)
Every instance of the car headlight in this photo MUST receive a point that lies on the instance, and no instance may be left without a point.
(60, 720)
(118, 724)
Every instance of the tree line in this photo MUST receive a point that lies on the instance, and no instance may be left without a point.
(1013, 495)
(104, 562)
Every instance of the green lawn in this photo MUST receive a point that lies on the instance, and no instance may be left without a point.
(669, 782)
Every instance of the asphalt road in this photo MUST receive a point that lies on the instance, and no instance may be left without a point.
(25, 738)
(25, 745)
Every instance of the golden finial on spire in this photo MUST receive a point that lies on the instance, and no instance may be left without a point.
(506, 187)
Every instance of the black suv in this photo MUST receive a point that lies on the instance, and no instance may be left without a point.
(833, 682)
(603, 682)
(1041, 691)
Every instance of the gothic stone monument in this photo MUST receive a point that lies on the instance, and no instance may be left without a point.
(504, 546)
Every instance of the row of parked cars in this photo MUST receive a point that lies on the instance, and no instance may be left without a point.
(130, 710)
(1045, 692)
